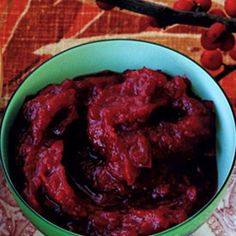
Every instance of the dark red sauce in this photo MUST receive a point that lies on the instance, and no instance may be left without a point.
(116, 154)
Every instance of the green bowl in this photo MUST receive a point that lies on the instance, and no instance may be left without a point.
(119, 55)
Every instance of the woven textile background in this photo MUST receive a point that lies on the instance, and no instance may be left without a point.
(32, 31)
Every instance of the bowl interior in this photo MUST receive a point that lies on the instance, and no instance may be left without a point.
(119, 55)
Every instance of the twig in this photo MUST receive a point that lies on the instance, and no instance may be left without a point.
(167, 16)
(227, 70)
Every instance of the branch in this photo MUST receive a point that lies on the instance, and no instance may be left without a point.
(167, 16)
(227, 70)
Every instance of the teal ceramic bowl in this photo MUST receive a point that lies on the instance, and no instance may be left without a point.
(119, 55)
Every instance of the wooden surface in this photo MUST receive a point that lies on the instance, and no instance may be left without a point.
(32, 31)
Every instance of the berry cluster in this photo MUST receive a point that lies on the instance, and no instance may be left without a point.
(216, 38)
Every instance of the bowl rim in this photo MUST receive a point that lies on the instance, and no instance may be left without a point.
(51, 224)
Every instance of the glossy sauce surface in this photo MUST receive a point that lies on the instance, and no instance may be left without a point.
(116, 154)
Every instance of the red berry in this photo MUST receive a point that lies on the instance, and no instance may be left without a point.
(204, 4)
(232, 53)
(208, 43)
(212, 38)
(211, 59)
(104, 6)
(230, 7)
(228, 42)
(217, 12)
(216, 31)
(183, 5)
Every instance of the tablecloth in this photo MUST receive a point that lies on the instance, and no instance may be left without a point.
(32, 31)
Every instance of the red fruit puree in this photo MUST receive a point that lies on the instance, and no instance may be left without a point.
(128, 153)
